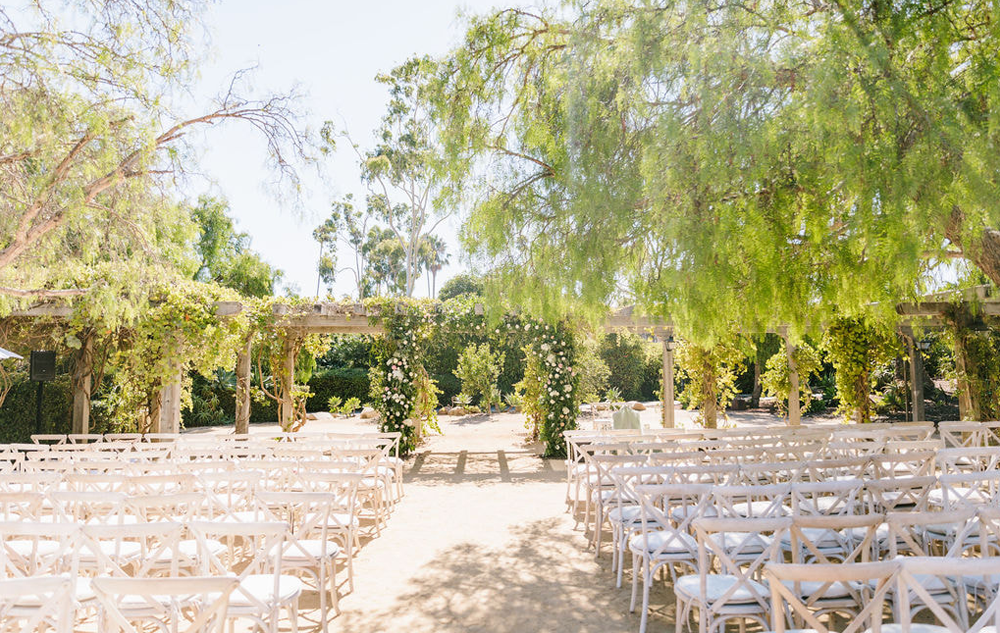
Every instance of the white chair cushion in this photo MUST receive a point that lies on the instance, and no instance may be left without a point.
(666, 542)
(310, 549)
(716, 586)
(261, 586)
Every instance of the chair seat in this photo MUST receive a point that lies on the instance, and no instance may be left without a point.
(307, 550)
(982, 584)
(716, 586)
(261, 587)
(809, 588)
(625, 514)
(957, 494)
(81, 593)
(665, 542)
(681, 513)
(741, 542)
(118, 552)
(188, 548)
(761, 508)
(41, 547)
(916, 628)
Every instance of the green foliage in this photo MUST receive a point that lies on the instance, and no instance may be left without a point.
(593, 371)
(350, 351)
(856, 349)
(977, 362)
(625, 357)
(776, 380)
(17, 415)
(711, 373)
(531, 392)
(345, 384)
(426, 404)
(478, 369)
(459, 285)
(764, 164)
(224, 255)
(449, 385)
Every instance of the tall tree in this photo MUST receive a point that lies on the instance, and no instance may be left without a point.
(224, 253)
(433, 257)
(765, 163)
(405, 169)
(91, 136)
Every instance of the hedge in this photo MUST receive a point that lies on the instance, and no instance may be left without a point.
(17, 415)
(344, 383)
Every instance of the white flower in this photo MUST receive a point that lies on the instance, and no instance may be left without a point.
(565, 411)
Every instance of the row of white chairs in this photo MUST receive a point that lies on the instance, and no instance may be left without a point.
(145, 512)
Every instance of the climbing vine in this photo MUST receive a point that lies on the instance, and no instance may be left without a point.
(856, 348)
(776, 378)
(711, 372)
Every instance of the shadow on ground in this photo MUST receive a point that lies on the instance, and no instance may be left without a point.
(538, 581)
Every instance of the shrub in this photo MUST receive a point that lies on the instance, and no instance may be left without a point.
(478, 369)
(626, 359)
(593, 372)
(342, 383)
(449, 385)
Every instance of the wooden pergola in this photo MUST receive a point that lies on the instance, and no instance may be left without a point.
(335, 318)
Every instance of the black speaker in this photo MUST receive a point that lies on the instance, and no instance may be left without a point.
(43, 366)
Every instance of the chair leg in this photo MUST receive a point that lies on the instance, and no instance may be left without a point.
(635, 583)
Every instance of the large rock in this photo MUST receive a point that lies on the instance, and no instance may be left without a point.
(368, 413)
(457, 411)
(444, 411)
(638, 406)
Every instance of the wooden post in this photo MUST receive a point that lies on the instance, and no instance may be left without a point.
(243, 389)
(170, 404)
(286, 405)
(83, 370)
(668, 383)
(794, 415)
(916, 378)
(965, 408)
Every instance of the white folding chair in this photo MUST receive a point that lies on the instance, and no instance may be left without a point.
(263, 591)
(43, 603)
(200, 603)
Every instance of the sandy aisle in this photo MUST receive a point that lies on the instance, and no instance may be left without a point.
(481, 542)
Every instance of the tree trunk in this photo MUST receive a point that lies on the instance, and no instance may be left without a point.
(243, 389)
(755, 394)
(983, 250)
(286, 403)
(83, 369)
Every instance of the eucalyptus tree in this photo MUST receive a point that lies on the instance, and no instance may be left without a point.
(92, 139)
(718, 162)
(405, 169)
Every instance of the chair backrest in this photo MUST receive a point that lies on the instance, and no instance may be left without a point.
(131, 550)
(50, 599)
(30, 548)
(742, 548)
(667, 512)
(867, 583)
(265, 545)
(913, 533)
(163, 600)
(918, 574)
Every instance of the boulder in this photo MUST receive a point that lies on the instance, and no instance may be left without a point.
(368, 413)
(603, 406)
(444, 411)
(638, 406)
(457, 411)
(311, 416)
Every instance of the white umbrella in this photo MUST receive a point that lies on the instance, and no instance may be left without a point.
(5, 354)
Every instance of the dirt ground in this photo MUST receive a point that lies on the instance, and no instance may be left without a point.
(481, 542)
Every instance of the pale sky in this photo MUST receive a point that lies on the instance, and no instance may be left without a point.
(332, 52)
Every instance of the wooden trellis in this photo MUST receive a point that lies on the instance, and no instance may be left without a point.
(334, 318)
